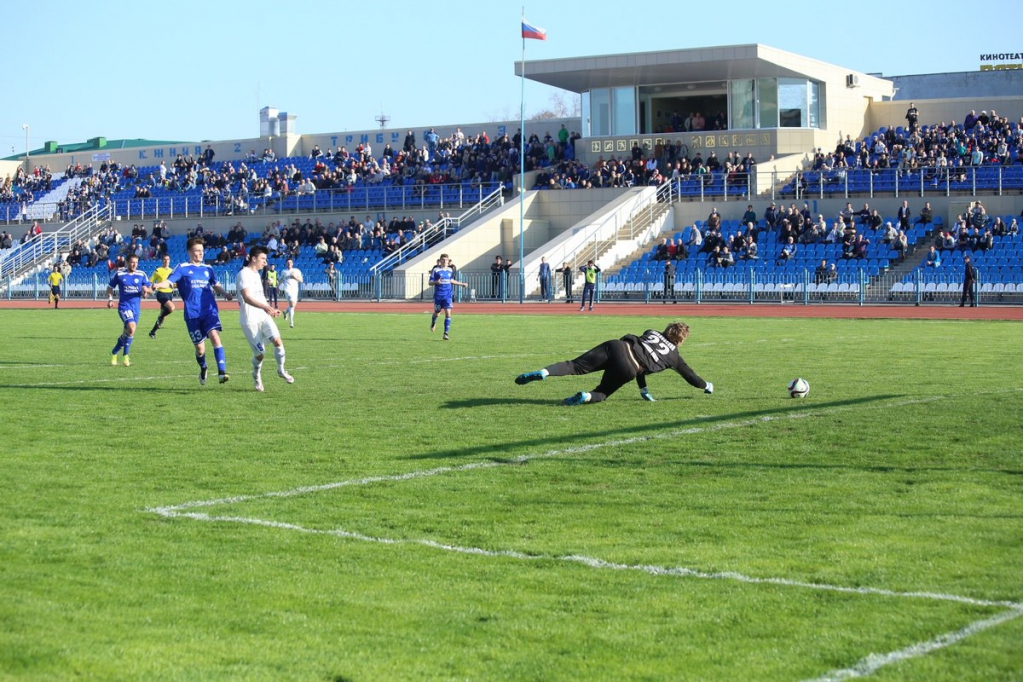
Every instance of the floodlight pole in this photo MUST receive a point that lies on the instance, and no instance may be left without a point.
(24, 127)
(522, 166)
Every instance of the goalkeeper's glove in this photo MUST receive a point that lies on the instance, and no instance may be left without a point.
(710, 388)
(646, 395)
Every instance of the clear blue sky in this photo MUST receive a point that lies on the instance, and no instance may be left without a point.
(189, 70)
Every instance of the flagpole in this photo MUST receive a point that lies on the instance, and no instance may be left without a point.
(522, 164)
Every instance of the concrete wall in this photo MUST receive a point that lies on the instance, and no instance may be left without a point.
(931, 111)
(9, 168)
(960, 85)
(287, 145)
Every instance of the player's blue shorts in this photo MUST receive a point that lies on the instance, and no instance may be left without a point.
(442, 304)
(128, 314)
(200, 328)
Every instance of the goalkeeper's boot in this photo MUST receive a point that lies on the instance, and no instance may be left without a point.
(578, 399)
(526, 378)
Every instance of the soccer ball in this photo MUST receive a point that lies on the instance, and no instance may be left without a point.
(798, 388)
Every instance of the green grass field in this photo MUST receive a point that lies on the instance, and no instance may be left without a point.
(404, 511)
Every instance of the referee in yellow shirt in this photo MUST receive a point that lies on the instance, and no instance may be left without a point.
(55, 279)
(164, 292)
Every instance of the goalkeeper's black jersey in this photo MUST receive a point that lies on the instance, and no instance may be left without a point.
(656, 353)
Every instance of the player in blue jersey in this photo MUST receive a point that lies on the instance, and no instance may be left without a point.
(198, 286)
(131, 285)
(442, 278)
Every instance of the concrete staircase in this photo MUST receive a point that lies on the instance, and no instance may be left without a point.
(879, 287)
(45, 207)
(628, 233)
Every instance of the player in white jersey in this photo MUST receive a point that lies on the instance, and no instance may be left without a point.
(256, 316)
(291, 278)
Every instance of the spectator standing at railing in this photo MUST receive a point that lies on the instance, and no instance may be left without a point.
(567, 275)
(970, 279)
(669, 282)
(496, 270)
(544, 275)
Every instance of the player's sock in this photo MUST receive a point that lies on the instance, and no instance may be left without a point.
(119, 345)
(222, 363)
(128, 345)
(279, 356)
(447, 324)
(257, 366)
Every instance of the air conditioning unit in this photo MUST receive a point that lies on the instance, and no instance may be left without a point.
(852, 80)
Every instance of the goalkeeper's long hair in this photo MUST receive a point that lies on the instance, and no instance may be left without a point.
(677, 332)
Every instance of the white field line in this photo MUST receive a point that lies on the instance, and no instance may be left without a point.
(99, 381)
(575, 449)
(873, 662)
(180, 510)
(862, 668)
(668, 571)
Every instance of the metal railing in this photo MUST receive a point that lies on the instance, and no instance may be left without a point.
(739, 285)
(49, 245)
(438, 232)
(852, 182)
(171, 205)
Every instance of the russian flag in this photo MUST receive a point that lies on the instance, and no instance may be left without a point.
(534, 32)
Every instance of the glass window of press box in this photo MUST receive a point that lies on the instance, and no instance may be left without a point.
(751, 103)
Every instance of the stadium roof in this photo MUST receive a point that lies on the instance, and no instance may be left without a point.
(94, 144)
(580, 74)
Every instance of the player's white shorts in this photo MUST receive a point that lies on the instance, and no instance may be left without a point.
(260, 334)
(291, 294)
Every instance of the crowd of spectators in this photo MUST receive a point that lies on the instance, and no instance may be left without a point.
(436, 160)
(946, 148)
(935, 150)
(665, 161)
(24, 187)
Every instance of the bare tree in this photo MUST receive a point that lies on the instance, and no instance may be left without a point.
(562, 104)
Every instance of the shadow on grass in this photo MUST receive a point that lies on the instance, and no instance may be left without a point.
(638, 431)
